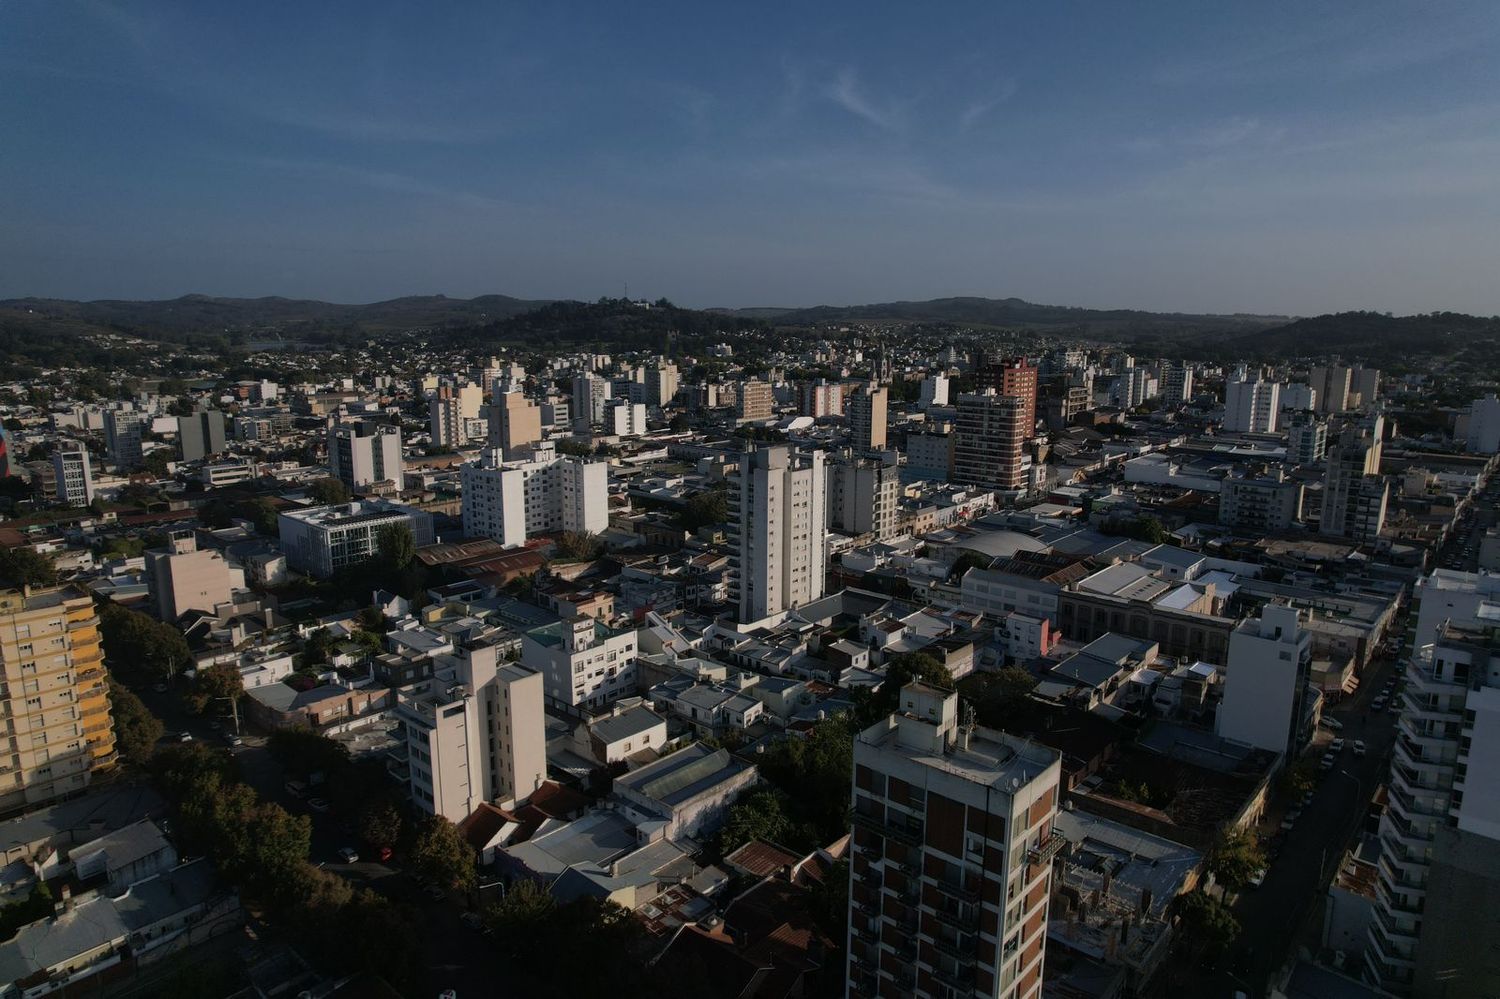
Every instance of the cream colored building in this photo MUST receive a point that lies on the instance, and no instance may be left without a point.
(182, 578)
(56, 707)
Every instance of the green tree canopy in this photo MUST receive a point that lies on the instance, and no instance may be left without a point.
(216, 686)
(397, 545)
(137, 730)
(139, 644)
(705, 508)
(328, 491)
(579, 545)
(1208, 927)
(22, 566)
(1235, 858)
(441, 854)
(756, 815)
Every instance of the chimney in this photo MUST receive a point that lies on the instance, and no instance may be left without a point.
(64, 901)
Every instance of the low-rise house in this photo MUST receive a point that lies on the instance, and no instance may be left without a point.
(328, 708)
(623, 734)
(685, 794)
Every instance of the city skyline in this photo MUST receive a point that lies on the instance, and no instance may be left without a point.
(1317, 160)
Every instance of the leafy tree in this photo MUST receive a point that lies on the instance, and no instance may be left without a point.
(441, 854)
(124, 547)
(999, 698)
(813, 774)
(158, 463)
(1208, 927)
(705, 508)
(519, 919)
(680, 422)
(140, 644)
(902, 669)
(380, 823)
(262, 513)
(37, 905)
(1235, 858)
(576, 449)
(757, 815)
(214, 684)
(579, 545)
(397, 545)
(328, 491)
(137, 730)
(316, 646)
(1299, 779)
(303, 751)
(22, 566)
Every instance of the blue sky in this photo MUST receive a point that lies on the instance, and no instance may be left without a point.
(1267, 157)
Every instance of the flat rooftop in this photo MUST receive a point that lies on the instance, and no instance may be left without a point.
(992, 759)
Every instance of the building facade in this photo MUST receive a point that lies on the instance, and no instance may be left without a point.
(778, 528)
(951, 855)
(361, 454)
(867, 413)
(56, 701)
(322, 540)
(989, 441)
(513, 500)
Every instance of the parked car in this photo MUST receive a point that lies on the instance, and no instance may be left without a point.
(1378, 704)
(1333, 724)
(472, 920)
(1326, 763)
(1359, 747)
(185, 737)
(434, 892)
(1336, 746)
(348, 856)
(1258, 878)
(318, 805)
(233, 739)
(295, 788)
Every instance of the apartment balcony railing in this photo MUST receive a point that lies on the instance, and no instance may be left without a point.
(958, 920)
(1048, 848)
(967, 892)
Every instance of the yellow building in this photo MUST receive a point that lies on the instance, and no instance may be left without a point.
(55, 724)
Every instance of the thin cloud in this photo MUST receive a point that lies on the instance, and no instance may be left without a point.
(845, 91)
(977, 110)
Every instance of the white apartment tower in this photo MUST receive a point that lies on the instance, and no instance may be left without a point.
(864, 496)
(951, 855)
(1251, 407)
(1354, 491)
(1440, 834)
(445, 418)
(1176, 382)
(779, 526)
(1332, 387)
(590, 395)
(867, 410)
(363, 453)
(122, 437)
(1306, 440)
(1265, 683)
(75, 476)
(541, 493)
(475, 732)
(1483, 436)
(934, 390)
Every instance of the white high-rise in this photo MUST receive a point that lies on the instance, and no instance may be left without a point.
(363, 453)
(934, 390)
(512, 500)
(779, 526)
(1176, 382)
(1250, 407)
(1265, 682)
(75, 476)
(1483, 436)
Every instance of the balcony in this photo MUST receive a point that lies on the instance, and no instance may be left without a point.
(964, 892)
(1048, 848)
(1385, 951)
(958, 920)
(901, 833)
(958, 981)
(961, 949)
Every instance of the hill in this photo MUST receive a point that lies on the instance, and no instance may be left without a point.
(1016, 312)
(1374, 336)
(176, 318)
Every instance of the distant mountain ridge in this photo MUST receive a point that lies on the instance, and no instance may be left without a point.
(975, 311)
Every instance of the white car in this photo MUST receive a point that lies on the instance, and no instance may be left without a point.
(1359, 747)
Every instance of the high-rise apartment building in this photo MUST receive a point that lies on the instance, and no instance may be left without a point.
(1433, 932)
(74, 474)
(1306, 439)
(822, 398)
(864, 496)
(989, 441)
(201, 434)
(1265, 682)
(515, 423)
(951, 855)
(1013, 378)
(182, 578)
(536, 494)
(661, 383)
(625, 419)
(778, 526)
(445, 418)
(363, 453)
(1483, 432)
(56, 702)
(1365, 382)
(757, 401)
(1251, 407)
(1332, 387)
(1354, 491)
(122, 437)
(934, 390)
(1176, 382)
(867, 417)
(1260, 504)
(475, 732)
(590, 396)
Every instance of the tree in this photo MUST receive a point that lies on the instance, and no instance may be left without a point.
(1208, 927)
(441, 854)
(1299, 779)
(579, 545)
(137, 730)
(380, 823)
(315, 647)
(902, 669)
(1235, 858)
(262, 513)
(519, 919)
(158, 463)
(328, 491)
(576, 449)
(303, 751)
(140, 644)
(680, 422)
(217, 683)
(705, 508)
(397, 545)
(22, 566)
(1001, 697)
(757, 815)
